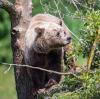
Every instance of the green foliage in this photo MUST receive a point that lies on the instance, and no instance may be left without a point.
(91, 85)
(89, 32)
(88, 87)
(90, 28)
(5, 49)
(72, 83)
(4, 24)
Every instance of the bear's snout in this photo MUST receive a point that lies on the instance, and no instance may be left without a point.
(69, 39)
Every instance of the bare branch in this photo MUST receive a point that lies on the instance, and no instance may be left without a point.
(38, 68)
(8, 6)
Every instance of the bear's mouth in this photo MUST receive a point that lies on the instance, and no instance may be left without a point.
(66, 43)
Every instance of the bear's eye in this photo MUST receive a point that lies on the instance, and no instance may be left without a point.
(58, 33)
(64, 33)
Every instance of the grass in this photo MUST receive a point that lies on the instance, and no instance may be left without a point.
(7, 84)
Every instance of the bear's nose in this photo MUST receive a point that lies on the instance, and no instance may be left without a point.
(69, 39)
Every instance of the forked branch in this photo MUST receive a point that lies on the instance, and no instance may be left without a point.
(8, 6)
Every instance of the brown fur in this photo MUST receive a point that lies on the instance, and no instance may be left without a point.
(44, 49)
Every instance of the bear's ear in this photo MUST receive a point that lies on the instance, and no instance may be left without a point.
(39, 30)
(60, 22)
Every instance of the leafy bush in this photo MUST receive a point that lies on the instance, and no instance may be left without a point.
(88, 87)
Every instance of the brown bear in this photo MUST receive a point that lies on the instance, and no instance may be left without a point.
(45, 40)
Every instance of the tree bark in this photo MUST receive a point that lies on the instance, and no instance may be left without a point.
(20, 15)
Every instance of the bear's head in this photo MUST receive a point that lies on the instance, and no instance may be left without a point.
(49, 36)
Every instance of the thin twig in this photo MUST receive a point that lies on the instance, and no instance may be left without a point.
(58, 9)
(50, 71)
(8, 69)
(43, 6)
(74, 3)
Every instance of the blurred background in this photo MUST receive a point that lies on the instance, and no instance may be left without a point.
(64, 9)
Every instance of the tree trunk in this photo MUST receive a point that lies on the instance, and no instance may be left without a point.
(20, 15)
